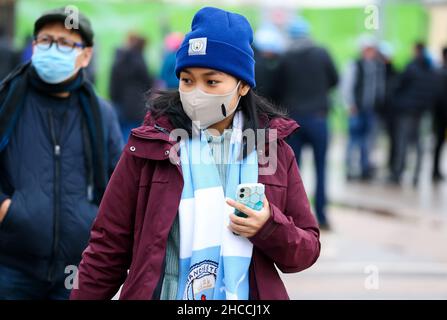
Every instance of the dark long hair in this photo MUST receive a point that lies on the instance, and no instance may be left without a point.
(253, 106)
(257, 112)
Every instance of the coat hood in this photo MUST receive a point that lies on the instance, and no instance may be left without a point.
(151, 140)
(152, 127)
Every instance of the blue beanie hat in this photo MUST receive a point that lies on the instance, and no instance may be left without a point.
(219, 40)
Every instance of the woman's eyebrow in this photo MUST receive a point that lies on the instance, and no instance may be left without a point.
(208, 73)
(212, 73)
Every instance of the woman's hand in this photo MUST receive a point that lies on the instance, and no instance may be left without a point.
(249, 226)
(4, 206)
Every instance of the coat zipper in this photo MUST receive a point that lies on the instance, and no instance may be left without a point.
(56, 194)
(161, 129)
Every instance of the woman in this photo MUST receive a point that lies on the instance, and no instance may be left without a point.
(169, 220)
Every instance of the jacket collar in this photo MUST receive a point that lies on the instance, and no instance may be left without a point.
(151, 140)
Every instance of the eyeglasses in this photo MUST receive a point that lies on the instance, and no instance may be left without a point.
(63, 45)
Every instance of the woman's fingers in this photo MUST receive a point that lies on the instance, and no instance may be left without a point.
(241, 230)
(254, 221)
(239, 206)
(238, 220)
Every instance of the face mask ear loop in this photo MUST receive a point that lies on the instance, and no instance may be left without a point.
(238, 84)
(237, 102)
(240, 96)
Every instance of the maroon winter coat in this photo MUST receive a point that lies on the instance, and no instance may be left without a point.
(142, 201)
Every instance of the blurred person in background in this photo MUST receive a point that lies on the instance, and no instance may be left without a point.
(9, 58)
(130, 79)
(59, 143)
(386, 111)
(417, 92)
(440, 120)
(268, 44)
(27, 50)
(167, 74)
(363, 89)
(307, 74)
(90, 70)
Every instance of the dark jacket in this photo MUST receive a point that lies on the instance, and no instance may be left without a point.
(142, 201)
(306, 73)
(440, 112)
(130, 80)
(369, 86)
(418, 89)
(385, 109)
(9, 58)
(35, 237)
(266, 71)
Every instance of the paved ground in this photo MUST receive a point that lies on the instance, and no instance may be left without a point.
(387, 242)
(368, 256)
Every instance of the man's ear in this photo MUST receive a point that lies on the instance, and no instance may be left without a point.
(243, 89)
(86, 57)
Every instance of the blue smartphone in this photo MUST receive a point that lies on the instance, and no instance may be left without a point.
(250, 195)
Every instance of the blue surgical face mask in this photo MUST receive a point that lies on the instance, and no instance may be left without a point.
(54, 66)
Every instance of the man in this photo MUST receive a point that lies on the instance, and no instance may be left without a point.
(9, 58)
(130, 79)
(440, 120)
(269, 45)
(418, 92)
(364, 91)
(386, 111)
(58, 145)
(307, 73)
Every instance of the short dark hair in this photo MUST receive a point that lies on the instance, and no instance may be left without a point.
(419, 46)
(61, 14)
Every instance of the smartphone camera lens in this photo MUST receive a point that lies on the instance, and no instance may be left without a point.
(242, 190)
(241, 195)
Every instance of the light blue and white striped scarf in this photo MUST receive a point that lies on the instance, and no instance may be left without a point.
(214, 263)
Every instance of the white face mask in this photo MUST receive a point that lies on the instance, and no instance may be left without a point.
(207, 109)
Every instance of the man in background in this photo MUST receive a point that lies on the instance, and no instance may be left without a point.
(307, 74)
(9, 58)
(59, 143)
(440, 120)
(130, 80)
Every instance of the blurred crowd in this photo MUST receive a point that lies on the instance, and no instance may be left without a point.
(299, 75)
